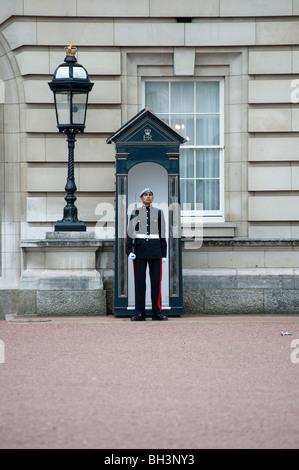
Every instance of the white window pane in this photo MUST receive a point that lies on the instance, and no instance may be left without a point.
(207, 163)
(207, 130)
(184, 125)
(187, 194)
(207, 193)
(187, 163)
(207, 97)
(182, 97)
(157, 96)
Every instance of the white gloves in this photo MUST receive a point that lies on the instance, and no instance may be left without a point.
(133, 256)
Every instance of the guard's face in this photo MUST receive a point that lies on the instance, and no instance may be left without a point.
(147, 198)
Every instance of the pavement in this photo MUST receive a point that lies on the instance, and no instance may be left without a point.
(217, 382)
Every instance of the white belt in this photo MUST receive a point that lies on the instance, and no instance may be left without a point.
(151, 237)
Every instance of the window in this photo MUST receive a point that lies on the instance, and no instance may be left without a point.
(195, 110)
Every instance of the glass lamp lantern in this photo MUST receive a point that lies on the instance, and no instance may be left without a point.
(71, 87)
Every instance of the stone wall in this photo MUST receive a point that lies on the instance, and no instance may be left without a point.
(252, 277)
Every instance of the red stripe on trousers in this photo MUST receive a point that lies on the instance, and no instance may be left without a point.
(134, 274)
(159, 298)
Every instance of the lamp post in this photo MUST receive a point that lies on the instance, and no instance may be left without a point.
(71, 87)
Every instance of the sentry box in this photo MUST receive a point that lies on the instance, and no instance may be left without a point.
(147, 155)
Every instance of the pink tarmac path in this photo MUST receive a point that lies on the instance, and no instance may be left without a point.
(189, 383)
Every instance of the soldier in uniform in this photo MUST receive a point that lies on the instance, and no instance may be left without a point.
(146, 245)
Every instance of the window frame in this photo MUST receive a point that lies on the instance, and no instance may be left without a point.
(207, 215)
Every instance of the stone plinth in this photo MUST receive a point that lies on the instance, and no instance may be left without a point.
(60, 277)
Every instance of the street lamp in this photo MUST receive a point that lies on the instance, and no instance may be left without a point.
(70, 86)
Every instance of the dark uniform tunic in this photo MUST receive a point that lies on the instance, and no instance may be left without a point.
(146, 238)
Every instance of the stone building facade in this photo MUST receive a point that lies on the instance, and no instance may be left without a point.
(249, 258)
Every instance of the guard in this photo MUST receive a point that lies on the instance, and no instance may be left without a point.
(146, 245)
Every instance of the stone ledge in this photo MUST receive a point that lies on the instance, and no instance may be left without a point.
(251, 243)
(90, 240)
(67, 239)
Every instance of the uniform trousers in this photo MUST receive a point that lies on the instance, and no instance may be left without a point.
(155, 272)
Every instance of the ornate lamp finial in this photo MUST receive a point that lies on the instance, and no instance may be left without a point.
(71, 50)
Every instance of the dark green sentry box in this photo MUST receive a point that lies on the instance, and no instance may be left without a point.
(147, 155)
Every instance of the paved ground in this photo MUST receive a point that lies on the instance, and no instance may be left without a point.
(189, 383)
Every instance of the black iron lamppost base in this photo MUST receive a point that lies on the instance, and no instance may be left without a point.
(70, 227)
(70, 221)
